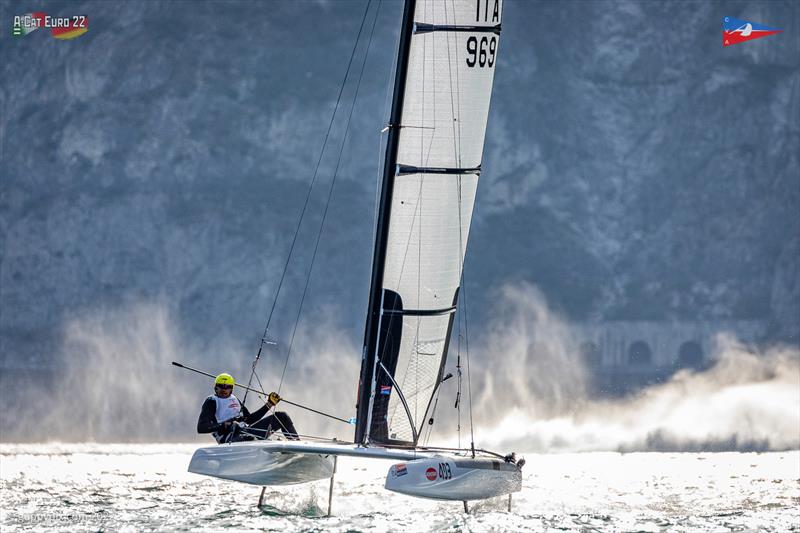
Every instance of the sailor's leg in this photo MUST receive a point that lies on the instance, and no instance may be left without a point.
(264, 427)
(279, 420)
(286, 425)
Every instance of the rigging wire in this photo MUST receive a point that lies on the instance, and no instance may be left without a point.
(458, 391)
(330, 190)
(308, 196)
(456, 153)
(419, 236)
(381, 150)
(277, 419)
(430, 420)
(469, 377)
(455, 104)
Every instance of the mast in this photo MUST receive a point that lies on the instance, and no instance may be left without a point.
(365, 389)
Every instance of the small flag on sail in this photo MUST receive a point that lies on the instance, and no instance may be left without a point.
(386, 389)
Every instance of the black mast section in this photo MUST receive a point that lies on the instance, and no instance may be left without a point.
(382, 232)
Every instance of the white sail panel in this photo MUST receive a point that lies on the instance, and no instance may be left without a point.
(431, 216)
(447, 101)
(421, 347)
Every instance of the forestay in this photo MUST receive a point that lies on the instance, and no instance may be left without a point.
(443, 85)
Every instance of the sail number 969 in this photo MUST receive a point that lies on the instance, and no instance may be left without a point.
(481, 52)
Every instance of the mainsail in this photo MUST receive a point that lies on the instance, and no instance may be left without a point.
(443, 86)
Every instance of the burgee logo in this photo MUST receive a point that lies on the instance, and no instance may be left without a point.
(736, 31)
(60, 27)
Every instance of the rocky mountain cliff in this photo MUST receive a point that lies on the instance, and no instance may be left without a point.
(634, 168)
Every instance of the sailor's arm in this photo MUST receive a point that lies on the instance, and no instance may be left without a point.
(255, 416)
(259, 413)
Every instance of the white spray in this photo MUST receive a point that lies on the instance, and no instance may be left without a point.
(529, 393)
(529, 387)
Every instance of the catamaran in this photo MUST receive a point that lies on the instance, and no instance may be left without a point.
(442, 88)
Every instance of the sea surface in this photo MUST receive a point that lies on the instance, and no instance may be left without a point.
(145, 487)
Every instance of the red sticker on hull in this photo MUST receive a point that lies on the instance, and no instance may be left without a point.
(430, 474)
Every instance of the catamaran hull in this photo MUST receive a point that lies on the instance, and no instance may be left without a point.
(454, 478)
(259, 465)
(422, 473)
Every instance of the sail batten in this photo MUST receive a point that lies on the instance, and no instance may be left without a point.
(406, 169)
(443, 86)
(424, 28)
(421, 312)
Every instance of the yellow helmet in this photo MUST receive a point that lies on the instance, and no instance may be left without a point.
(224, 379)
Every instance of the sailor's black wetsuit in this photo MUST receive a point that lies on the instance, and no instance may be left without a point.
(208, 423)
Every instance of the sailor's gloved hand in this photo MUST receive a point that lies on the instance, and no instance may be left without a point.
(274, 398)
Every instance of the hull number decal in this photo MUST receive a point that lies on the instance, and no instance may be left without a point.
(444, 471)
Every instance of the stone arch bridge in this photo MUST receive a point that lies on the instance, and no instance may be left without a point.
(625, 355)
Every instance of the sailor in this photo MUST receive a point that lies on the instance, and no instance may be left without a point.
(228, 420)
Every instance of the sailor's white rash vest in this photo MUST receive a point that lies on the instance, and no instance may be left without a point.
(227, 408)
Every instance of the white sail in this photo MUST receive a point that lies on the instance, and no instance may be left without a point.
(445, 105)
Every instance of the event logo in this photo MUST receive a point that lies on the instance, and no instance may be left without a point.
(736, 31)
(431, 474)
(60, 27)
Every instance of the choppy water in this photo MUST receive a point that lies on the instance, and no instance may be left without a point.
(91, 487)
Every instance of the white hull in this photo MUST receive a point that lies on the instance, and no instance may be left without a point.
(454, 478)
(282, 462)
(254, 463)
